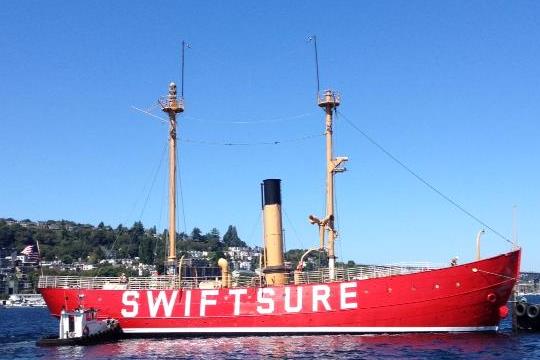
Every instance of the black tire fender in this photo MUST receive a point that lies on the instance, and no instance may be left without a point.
(520, 308)
(533, 311)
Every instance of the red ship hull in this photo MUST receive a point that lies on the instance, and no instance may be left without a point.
(468, 297)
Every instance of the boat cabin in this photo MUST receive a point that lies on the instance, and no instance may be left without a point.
(79, 323)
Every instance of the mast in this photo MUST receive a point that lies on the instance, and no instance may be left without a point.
(329, 101)
(172, 106)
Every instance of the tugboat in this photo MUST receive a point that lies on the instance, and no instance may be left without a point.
(527, 315)
(82, 327)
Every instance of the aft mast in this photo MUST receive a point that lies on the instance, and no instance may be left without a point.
(329, 101)
(172, 106)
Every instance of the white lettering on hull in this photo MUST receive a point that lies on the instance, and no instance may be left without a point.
(205, 301)
(344, 295)
(161, 301)
(288, 299)
(321, 293)
(237, 293)
(269, 302)
(288, 307)
(129, 298)
(187, 304)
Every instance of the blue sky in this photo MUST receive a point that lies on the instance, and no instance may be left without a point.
(450, 88)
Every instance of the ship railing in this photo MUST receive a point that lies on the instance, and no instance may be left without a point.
(162, 282)
(419, 265)
(247, 281)
(80, 282)
(362, 272)
(119, 283)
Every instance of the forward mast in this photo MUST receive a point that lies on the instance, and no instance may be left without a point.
(172, 106)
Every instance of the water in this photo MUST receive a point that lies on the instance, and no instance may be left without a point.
(21, 327)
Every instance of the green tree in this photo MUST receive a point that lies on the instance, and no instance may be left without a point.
(160, 249)
(214, 256)
(231, 238)
(213, 235)
(146, 249)
(196, 234)
(67, 259)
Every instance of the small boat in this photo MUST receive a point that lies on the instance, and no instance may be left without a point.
(82, 327)
(24, 300)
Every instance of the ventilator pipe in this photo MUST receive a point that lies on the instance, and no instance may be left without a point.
(300, 266)
(478, 236)
(321, 223)
(225, 279)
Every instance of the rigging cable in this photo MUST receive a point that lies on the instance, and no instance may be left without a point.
(258, 221)
(247, 122)
(293, 228)
(136, 202)
(179, 178)
(276, 142)
(422, 180)
(238, 122)
(148, 112)
(153, 182)
(336, 207)
(337, 227)
(160, 222)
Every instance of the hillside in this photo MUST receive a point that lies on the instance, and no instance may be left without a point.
(69, 241)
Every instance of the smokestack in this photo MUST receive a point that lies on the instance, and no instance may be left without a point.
(273, 233)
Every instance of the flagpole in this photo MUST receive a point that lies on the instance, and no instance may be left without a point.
(39, 258)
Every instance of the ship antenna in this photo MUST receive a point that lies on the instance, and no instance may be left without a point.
(184, 46)
(313, 39)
